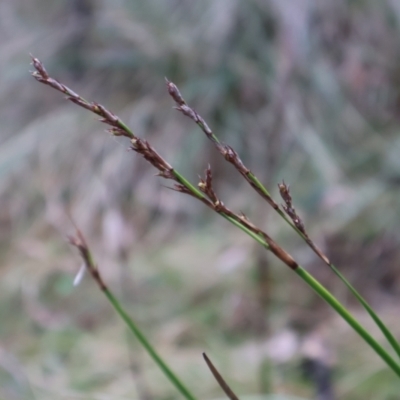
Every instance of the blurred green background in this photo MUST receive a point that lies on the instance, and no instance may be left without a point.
(305, 91)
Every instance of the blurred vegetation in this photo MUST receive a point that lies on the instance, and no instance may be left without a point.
(305, 91)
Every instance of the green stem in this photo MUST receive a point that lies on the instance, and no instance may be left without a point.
(389, 336)
(381, 325)
(311, 281)
(330, 299)
(348, 317)
(200, 195)
(323, 292)
(149, 348)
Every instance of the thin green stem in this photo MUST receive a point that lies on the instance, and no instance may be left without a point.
(181, 179)
(320, 289)
(149, 348)
(348, 317)
(200, 195)
(338, 307)
(42, 76)
(389, 336)
(80, 243)
(309, 279)
(332, 301)
(126, 129)
(381, 325)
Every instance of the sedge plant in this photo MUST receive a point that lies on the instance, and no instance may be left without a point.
(205, 193)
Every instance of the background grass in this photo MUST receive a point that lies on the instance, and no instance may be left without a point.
(304, 92)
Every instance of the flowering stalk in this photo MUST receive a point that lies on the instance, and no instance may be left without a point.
(80, 243)
(206, 194)
(288, 213)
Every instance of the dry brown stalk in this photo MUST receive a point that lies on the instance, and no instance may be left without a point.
(288, 207)
(224, 386)
(297, 221)
(80, 243)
